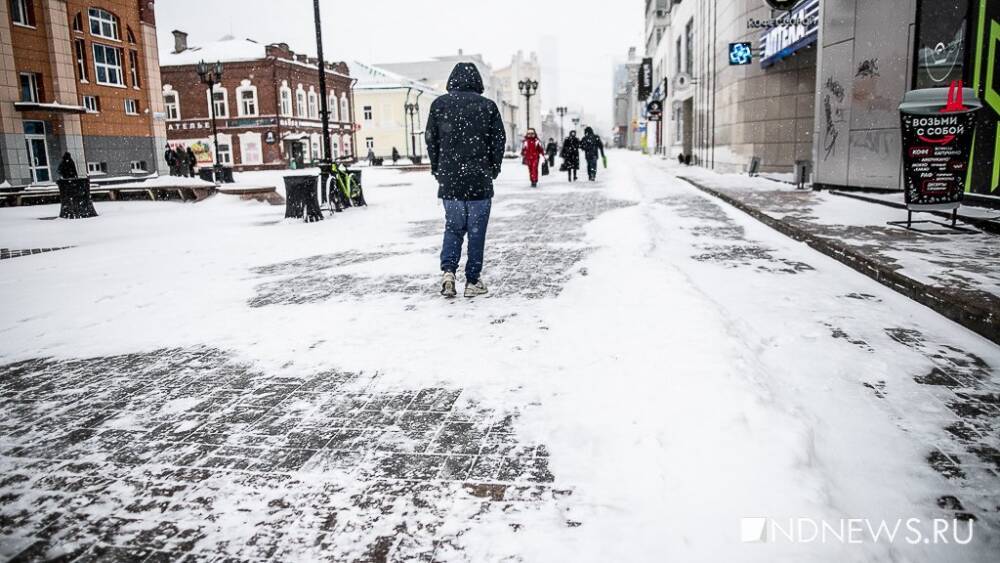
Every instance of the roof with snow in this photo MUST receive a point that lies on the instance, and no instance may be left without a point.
(228, 49)
(371, 77)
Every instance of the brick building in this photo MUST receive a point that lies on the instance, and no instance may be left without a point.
(267, 105)
(76, 77)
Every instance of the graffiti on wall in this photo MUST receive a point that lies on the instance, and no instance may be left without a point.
(833, 114)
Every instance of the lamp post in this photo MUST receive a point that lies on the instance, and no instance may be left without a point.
(326, 164)
(562, 114)
(576, 123)
(210, 76)
(411, 110)
(528, 88)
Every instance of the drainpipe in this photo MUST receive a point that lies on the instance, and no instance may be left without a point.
(419, 93)
(406, 122)
(354, 133)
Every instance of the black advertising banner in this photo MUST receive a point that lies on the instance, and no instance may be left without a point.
(937, 139)
(645, 79)
(654, 110)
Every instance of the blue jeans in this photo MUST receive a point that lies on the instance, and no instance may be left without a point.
(462, 218)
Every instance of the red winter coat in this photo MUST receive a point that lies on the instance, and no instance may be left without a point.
(532, 150)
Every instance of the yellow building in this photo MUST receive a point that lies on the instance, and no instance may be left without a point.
(390, 112)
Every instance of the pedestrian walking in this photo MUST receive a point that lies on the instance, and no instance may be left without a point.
(571, 155)
(170, 156)
(395, 155)
(371, 157)
(551, 150)
(465, 143)
(592, 148)
(192, 161)
(182, 161)
(67, 168)
(531, 153)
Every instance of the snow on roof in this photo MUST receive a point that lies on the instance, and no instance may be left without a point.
(371, 77)
(227, 49)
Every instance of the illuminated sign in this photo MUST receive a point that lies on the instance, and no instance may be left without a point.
(740, 53)
(797, 30)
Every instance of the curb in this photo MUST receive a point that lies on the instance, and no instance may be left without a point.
(987, 225)
(984, 321)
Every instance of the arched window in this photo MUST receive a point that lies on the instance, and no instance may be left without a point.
(247, 96)
(345, 141)
(129, 35)
(172, 103)
(313, 104)
(286, 99)
(345, 112)
(331, 106)
(220, 97)
(300, 101)
(334, 147)
(103, 24)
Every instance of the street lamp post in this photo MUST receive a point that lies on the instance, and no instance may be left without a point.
(326, 164)
(576, 123)
(210, 76)
(411, 110)
(528, 88)
(562, 114)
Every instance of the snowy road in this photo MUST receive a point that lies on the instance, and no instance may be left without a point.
(650, 368)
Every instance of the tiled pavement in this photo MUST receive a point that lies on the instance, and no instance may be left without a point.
(6, 253)
(188, 455)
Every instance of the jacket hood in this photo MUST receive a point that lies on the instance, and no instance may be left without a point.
(465, 77)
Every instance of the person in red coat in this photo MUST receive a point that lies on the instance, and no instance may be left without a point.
(532, 152)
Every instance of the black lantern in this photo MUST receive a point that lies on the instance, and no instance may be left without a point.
(212, 75)
(528, 88)
(561, 110)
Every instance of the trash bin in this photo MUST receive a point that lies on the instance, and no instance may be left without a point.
(300, 198)
(803, 172)
(227, 175)
(74, 199)
(938, 125)
(205, 173)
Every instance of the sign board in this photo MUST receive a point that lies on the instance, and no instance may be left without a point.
(654, 110)
(795, 31)
(740, 53)
(936, 143)
(269, 138)
(645, 79)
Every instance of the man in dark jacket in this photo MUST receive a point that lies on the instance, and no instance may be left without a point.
(591, 145)
(571, 155)
(67, 168)
(551, 150)
(192, 161)
(465, 142)
(170, 156)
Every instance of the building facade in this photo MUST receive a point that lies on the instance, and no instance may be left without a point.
(507, 79)
(627, 129)
(82, 79)
(871, 54)
(267, 105)
(392, 112)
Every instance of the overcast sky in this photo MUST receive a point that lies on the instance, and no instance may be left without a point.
(589, 35)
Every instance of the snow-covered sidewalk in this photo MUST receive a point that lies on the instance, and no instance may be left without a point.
(650, 368)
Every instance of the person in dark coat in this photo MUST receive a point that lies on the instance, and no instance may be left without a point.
(170, 156)
(67, 168)
(181, 160)
(465, 143)
(371, 157)
(592, 148)
(552, 149)
(395, 155)
(192, 161)
(571, 155)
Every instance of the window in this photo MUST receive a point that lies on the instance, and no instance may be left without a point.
(103, 24)
(78, 22)
(133, 63)
(345, 113)
(171, 103)
(132, 107)
(300, 102)
(678, 125)
(313, 103)
(940, 45)
(367, 112)
(92, 104)
(137, 166)
(97, 168)
(331, 106)
(286, 99)
(250, 152)
(689, 46)
(370, 143)
(314, 143)
(108, 65)
(22, 12)
(248, 99)
(225, 153)
(129, 35)
(334, 148)
(80, 50)
(677, 55)
(220, 100)
(346, 142)
(30, 82)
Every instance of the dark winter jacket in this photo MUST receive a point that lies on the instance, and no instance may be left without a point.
(571, 152)
(552, 148)
(67, 168)
(465, 138)
(591, 145)
(395, 154)
(192, 161)
(170, 157)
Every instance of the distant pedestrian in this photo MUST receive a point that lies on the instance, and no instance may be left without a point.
(170, 156)
(592, 148)
(67, 168)
(395, 155)
(192, 161)
(531, 153)
(465, 143)
(371, 157)
(571, 155)
(551, 150)
(181, 160)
